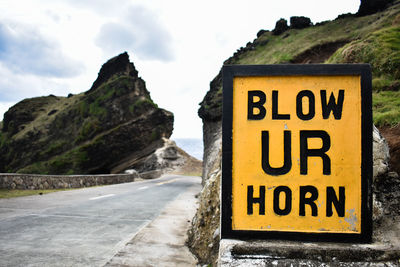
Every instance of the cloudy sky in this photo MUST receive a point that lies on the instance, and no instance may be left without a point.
(58, 46)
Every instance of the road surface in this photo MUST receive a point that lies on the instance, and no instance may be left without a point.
(84, 227)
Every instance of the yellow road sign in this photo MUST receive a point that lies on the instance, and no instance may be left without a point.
(297, 152)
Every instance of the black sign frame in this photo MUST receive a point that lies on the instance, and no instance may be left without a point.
(229, 72)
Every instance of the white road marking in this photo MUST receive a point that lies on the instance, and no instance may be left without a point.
(167, 182)
(109, 195)
(143, 187)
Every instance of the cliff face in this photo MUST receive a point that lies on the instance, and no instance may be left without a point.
(372, 39)
(87, 133)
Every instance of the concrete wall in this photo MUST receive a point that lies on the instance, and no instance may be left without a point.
(33, 181)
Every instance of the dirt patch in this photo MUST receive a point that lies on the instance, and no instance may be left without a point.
(318, 53)
(392, 136)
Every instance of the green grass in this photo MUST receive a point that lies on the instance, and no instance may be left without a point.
(386, 108)
(68, 163)
(97, 109)
(89, 129)
(34, 168)
(116, 86)
(384, 82)
(141, 105)
(83, 109)
(42, 106)
(381, 49)
(283, 48)
(53, 148)
(10, 193)
(3, 139)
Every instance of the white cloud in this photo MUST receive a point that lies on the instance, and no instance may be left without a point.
(101, 7)
(177, 46)
(24, 50)
(17, 86)
(138, 31)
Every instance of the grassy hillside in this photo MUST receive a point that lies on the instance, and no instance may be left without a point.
(86, 133)
(373, 39)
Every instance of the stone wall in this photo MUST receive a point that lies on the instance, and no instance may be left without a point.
(33, 181)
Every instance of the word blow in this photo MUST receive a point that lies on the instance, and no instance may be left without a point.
(328, 106)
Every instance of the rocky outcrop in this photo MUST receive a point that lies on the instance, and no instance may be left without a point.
(89, 133)
(167, 158)
(327, 42)
(118, 65)
(280, 27)
(261, 32)
(392, 136)
(296, 22)
(381, 154)
(368, 7)
(300, 22)
(211, 106)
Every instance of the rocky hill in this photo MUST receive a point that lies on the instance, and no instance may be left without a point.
(98, 131)
(370, 36)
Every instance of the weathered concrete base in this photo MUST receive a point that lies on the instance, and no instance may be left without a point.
(289, 253)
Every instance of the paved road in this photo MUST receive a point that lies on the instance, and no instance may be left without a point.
(84, 227)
